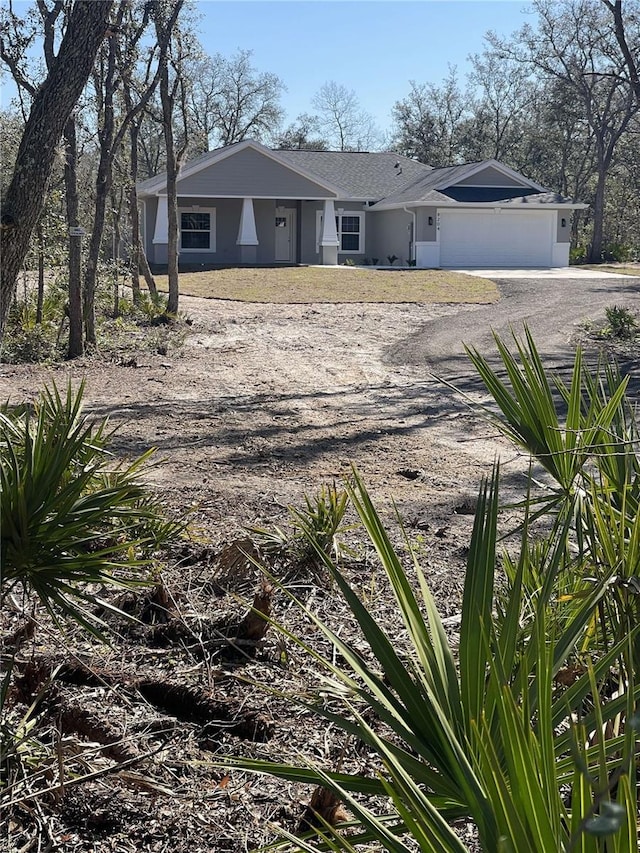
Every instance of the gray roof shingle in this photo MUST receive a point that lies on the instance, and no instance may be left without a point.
(361, 174)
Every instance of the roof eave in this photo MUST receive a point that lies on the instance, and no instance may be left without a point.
(473, 205)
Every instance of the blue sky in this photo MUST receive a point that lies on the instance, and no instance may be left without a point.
(374, 47)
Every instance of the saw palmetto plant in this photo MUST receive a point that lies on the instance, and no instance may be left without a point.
(585, 436)
(482, 732)
(525, 727)
(71, 520)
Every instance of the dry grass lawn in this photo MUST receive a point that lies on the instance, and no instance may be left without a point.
(623, 269)
(334, 284)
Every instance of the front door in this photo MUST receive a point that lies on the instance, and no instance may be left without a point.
(284, 236)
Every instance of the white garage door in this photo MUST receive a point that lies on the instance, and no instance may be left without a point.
(485, 238)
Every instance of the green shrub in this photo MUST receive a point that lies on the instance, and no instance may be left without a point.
(319, 525)
(69, 517)
(621, 322)
(25, 340)
(586, 437)
(153, 310)
(35, 344)
(578, 254)
(617, 253)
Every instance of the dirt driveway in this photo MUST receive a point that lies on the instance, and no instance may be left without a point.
(264, 403)
(552, 307)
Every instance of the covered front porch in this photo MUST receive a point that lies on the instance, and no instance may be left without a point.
(245, 231)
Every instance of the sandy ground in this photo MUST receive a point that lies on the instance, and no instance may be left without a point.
(265, 403)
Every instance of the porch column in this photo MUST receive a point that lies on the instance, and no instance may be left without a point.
(161, 232)
(329, 236)
(247, 234)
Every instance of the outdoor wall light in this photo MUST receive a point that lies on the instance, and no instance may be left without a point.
(564, 222)
(430, 220)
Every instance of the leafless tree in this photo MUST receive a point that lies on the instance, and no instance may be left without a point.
(76, 325)
(342, 120)
(173, 98)
(230, 100)
(111, 75)
(139, 263)
(628, 39)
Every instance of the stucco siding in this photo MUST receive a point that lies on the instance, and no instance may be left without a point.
(264, 211)
(227, 223)
(309, 218)
(250, 173)
(150, 209)
(160, 254)
(489, 177)
(308, 214)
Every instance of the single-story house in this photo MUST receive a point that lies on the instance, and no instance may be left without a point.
(249, 204)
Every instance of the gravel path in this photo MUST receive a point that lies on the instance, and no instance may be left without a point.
(553, 309)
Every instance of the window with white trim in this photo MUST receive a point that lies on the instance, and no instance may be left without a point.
(198, 230)
(350, 230)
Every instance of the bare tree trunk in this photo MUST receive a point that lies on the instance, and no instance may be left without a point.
(116, 213)
(118, 75)
(145, 269)
(51, 108)
(103, 187)
(134, 215)
(172, 191)
(40, 273)
(605, 148)
(595, 250)
(76, 338)
(104, 181)
(169, 93)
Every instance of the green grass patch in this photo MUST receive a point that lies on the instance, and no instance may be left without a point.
(288, 285)
(623, 269)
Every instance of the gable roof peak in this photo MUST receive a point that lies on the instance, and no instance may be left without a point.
(468, 170)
